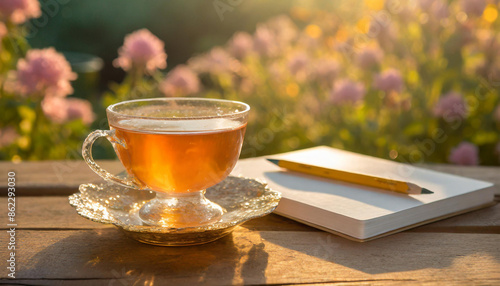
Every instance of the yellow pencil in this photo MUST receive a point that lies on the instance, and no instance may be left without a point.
(366, 180)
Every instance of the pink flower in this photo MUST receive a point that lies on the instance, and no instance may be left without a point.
(389, 80)
(18, 11)
(347, 91)
(216, 61)
(141, 50)
(369, 57)
(7, 136)
(80, 109)
(425, 4)
(383, 30)
(473, 7)
(55, 108)
(298, 63)
(465, 154)
(439, 10)
(3, 30)
(325, 70)
(60, 110)
(451, 105)
(180, 81)
(42, 72)
(241, 45)
(284, 30)
(264, 41)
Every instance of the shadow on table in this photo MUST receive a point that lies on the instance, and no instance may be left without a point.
(108, 254)
(407, 251)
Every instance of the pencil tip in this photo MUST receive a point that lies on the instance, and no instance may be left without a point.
(274, 161)
(426, 191)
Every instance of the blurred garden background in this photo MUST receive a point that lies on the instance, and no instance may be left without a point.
(412, 81)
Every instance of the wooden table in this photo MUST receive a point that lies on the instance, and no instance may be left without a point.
(57, 246)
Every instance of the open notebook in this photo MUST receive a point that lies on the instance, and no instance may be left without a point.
(358, 212)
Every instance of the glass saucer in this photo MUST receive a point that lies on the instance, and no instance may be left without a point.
(242, 198)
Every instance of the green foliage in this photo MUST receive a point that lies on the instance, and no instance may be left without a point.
(25, 132)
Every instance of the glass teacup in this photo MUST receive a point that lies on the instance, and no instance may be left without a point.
(176, 147)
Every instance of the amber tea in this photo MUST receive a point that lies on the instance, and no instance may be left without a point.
(179, 156)
(177, 147)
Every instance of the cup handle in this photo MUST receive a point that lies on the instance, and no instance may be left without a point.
(87, 156)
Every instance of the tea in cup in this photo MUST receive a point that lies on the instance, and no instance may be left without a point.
(176, 147)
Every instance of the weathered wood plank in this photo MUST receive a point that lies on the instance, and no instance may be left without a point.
(64, 177)
(107, 282)
(252, 257)
(56, 213)
(52, 177)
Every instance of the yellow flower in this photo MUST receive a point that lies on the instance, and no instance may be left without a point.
(364, 24)
(16, 159)
(375, 4)
(313, 31)
(292, 89)
(490, 13)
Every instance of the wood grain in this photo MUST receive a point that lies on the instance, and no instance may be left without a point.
(55, 212)
(252, 257)
(48, 178)
(58, 247)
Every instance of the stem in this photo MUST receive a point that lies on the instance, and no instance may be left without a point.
(39, 116)
(135, 75)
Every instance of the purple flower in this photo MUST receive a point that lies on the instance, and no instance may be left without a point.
(19, 11)
(436, 8)
(369, 57)
(325, 70)
(264, 41)
(384, 31)
(298, 63)
(451, 105)
(465, 154)
(216, 61)
(180, 81)
(347, 91)
(473, 7)
(284, 30)
(389, 80)
(439, 10)
(241, 45)
(141, 50)
(42, 72)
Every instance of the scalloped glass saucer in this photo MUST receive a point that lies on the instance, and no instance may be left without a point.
(242, 198)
